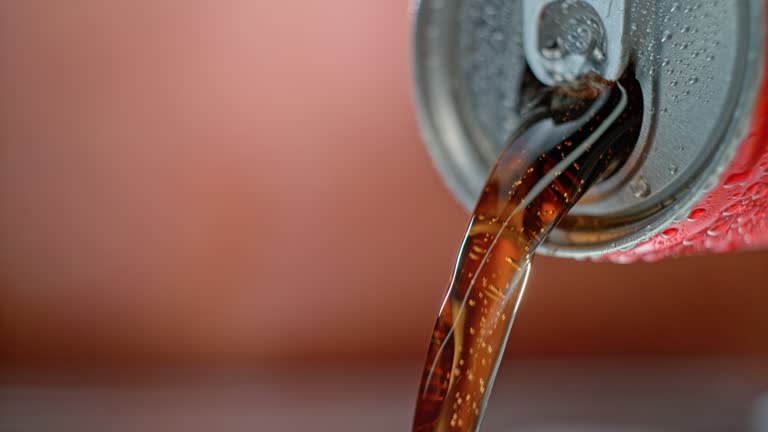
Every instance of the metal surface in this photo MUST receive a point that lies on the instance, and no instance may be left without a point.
(699, 66)
(567, 38)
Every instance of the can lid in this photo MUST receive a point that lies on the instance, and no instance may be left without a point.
(699, 66)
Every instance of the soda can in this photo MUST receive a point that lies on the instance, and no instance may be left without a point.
(697, 179)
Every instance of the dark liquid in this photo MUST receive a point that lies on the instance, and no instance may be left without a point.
(571, 138)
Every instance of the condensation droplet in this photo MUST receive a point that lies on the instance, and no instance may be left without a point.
(718, 228)
(736, 178)
(695, 239)
(640, 188)
(696, 214)
(753, 190)
(733, 209)
(670, 232)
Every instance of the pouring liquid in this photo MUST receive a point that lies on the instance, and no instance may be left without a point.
(571, 138)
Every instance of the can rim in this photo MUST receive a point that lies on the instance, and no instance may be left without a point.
(448, 171)
(446, 159)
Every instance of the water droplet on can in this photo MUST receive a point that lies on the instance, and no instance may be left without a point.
(733, 209)
(640, 188)
(753, 191)
(696, 214)
(670, 232)
(736, 178)
(718, 228)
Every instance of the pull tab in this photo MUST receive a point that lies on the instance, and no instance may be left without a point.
(564, 39)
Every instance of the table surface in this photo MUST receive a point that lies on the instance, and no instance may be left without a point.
(553, 396)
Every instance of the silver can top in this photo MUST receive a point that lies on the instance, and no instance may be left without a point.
(567, 38)
(699, 65)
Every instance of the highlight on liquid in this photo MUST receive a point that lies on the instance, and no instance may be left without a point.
(572, 136)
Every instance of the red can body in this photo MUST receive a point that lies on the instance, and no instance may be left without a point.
(733, 216)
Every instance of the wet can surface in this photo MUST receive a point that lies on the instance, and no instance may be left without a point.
(696, 181)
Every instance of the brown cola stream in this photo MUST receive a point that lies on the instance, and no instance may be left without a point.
(574, 135)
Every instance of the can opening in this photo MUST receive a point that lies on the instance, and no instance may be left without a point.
(626, 136)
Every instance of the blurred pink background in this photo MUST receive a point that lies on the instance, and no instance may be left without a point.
(240, 183)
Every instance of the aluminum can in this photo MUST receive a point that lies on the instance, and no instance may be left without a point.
(697, 179)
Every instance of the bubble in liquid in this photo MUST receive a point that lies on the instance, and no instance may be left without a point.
(640, 188)
(667, 35)
(693, 80)
(673, 169)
